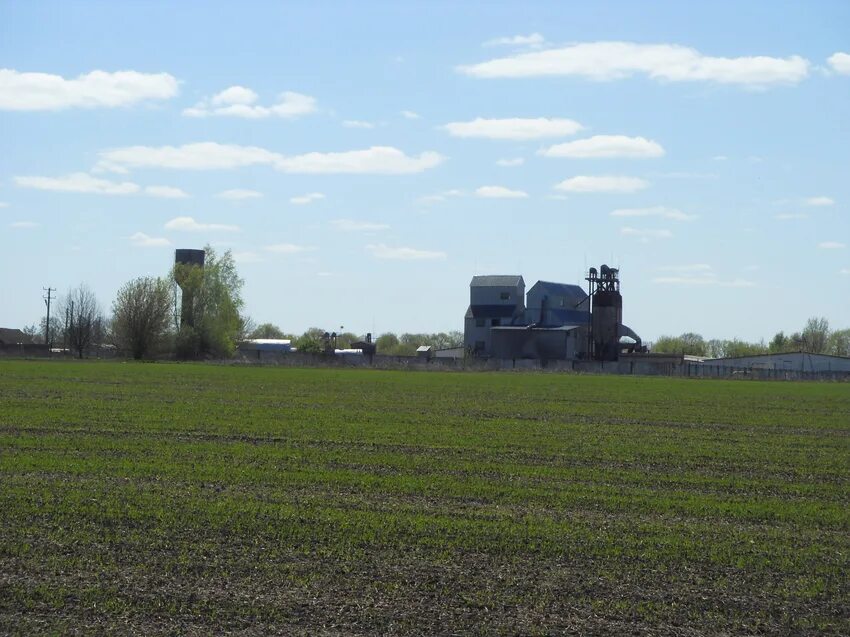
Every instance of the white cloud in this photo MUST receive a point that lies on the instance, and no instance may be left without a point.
(844, 271)
(237, 194)
(235, 95)
(384, 160)
(303, 200)
(515, 128)
(584, 183)
(200, 156)
(664, 62)
(819, 201)
(441, 196)
(785, 216)
(603, 146)
(839, 62)
(97, 89)
(532, 39)
(381, 251)
(697, 268)
(23, 225)
(410, 115)
(517, 161)
(499, 192)
(350, 225)
(238, 101)
(247, 257)
(831, 245)
(141, 240)
(165, 192)
(4, 204)
(720, 158)
(188, 224)
(692, 281)
(288, 248)
(356, 123)
(645, 235)
(377, 160)
(655, 211)
(79, 182)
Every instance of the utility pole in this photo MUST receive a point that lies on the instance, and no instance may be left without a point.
(47, 300)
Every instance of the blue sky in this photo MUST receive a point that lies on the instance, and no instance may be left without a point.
(364, 160)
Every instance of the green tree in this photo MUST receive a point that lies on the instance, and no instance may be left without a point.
(141, 315)
(779, 343)
(689, 343)
(83, 319)
(312, 341)
(267, 330)
(816, 335)
(839, 343)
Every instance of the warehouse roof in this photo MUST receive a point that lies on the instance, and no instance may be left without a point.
(496, 280)
(560, 289)
(491, 311)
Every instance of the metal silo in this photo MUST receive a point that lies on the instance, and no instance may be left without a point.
(606, 313)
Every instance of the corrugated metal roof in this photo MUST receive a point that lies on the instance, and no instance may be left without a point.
(496, 280)
(559, 289)
(491, 311)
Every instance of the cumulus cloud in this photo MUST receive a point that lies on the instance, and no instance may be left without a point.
(236, 194)
(200, 156)
(288, 248)
(239, 101)
(188, 224)
(79, 182)
(382, 251)
(532, 40)
(165, 192)
(303, 200)
(645, 235)
(819, 201)
(410, 115)
(697, 281)
(377, 160)
(839, 62)
(24, 225)
(831, 245)
(499, 192)
(664, 62)
(514, 128)
(584, 183)
(356, 123)
(141, 240)
(654, 211)
(97, 89)
(441, 196)
(383, 160)
(350, 225)
(604, 146)
(517, 161)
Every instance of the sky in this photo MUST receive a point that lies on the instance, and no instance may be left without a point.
(363, 160)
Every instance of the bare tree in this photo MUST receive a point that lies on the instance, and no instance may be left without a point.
(83, 318)
(142, 315)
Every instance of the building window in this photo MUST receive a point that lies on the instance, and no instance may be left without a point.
(495, 322)
(480, 322)
(505, 296)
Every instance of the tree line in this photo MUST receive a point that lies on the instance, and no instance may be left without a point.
(815, 338)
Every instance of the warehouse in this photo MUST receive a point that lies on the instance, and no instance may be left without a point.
(791, 361)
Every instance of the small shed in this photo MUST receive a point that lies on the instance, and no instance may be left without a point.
(424, 351)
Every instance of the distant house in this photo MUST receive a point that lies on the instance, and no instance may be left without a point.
(791, 361)
(11, 336)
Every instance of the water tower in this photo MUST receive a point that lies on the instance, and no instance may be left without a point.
(186, 258)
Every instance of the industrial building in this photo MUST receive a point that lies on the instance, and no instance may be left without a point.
(554, 321)
(791, 361)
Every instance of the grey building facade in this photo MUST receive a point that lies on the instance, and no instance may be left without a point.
(494, 301)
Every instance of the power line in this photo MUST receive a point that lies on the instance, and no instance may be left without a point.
(47, 300)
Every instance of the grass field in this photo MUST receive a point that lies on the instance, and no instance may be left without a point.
(200, 499)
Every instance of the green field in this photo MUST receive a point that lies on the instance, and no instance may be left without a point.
(201, 499)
